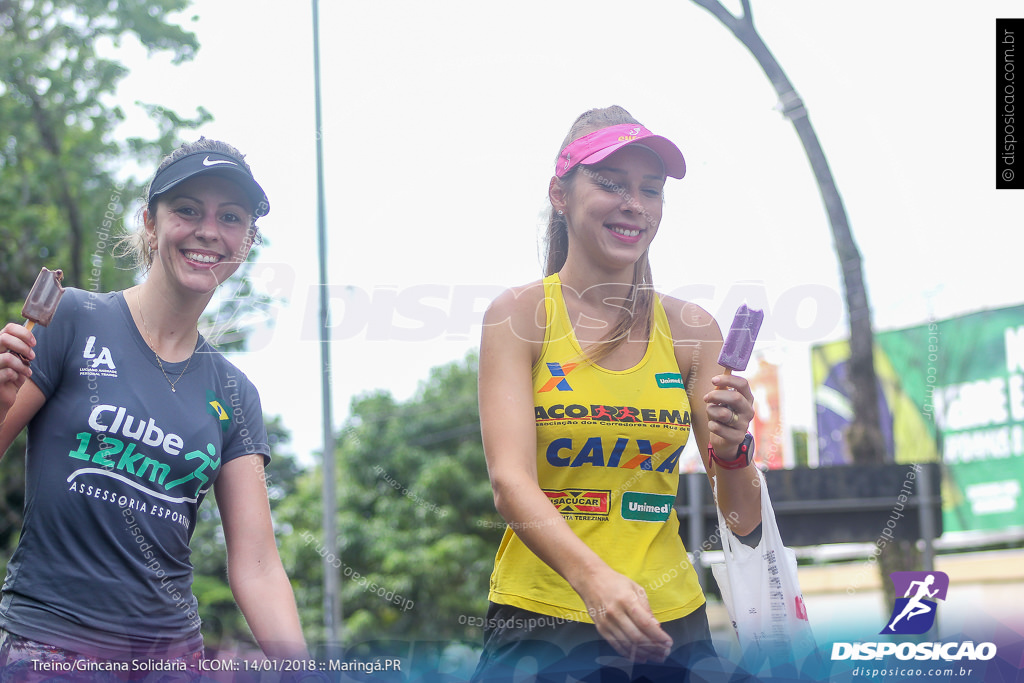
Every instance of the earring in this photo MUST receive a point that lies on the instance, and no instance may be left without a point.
(561, 213)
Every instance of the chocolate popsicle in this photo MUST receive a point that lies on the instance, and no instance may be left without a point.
(739, 343)
(42, 300)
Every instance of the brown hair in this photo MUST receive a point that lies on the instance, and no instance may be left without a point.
(639, 310)
(134, 246)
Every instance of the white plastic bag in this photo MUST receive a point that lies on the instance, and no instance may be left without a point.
(761, 592)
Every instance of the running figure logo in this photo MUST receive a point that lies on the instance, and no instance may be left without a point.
(914, 613)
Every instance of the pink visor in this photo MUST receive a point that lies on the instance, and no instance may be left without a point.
(600, 144)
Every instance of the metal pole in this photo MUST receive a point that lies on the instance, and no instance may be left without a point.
(332, 603)
(927, 507)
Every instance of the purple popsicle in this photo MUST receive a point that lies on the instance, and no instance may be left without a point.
(42, 300)
(739, 343)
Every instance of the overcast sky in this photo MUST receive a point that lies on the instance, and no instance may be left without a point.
(442, 121)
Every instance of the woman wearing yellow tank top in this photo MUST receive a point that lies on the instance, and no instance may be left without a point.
(590, 384)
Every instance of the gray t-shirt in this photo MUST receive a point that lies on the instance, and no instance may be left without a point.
(116, 468)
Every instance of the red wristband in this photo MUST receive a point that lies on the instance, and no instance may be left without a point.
(744, 454)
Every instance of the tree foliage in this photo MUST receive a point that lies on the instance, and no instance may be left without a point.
(416, 521)
(864, 435)
(62, 192)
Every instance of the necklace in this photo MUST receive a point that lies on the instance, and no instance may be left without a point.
(152, 347)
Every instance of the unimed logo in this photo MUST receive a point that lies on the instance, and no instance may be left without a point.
(646, 507)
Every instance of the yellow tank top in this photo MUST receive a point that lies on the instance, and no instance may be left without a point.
(608, 449)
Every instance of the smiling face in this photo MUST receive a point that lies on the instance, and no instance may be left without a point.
(613, 208)
(201, 232)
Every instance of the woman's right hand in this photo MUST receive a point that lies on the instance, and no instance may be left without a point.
(14, 370)
(620, 610)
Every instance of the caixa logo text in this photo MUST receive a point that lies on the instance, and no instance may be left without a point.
(949, 652)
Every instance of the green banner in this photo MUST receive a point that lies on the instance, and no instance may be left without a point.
(951, 390)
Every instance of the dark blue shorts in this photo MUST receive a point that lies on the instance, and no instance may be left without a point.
(520, 645)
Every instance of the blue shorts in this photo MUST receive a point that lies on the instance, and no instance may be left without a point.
(520, 645)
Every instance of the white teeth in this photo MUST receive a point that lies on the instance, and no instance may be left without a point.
(201, 258)
(625, 232)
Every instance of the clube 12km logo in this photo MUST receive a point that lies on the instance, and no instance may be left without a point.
(917, 600)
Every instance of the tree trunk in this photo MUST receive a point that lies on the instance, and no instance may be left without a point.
(50, 138)
(864, 435)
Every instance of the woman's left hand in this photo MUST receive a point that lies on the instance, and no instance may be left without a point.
(730, 408)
